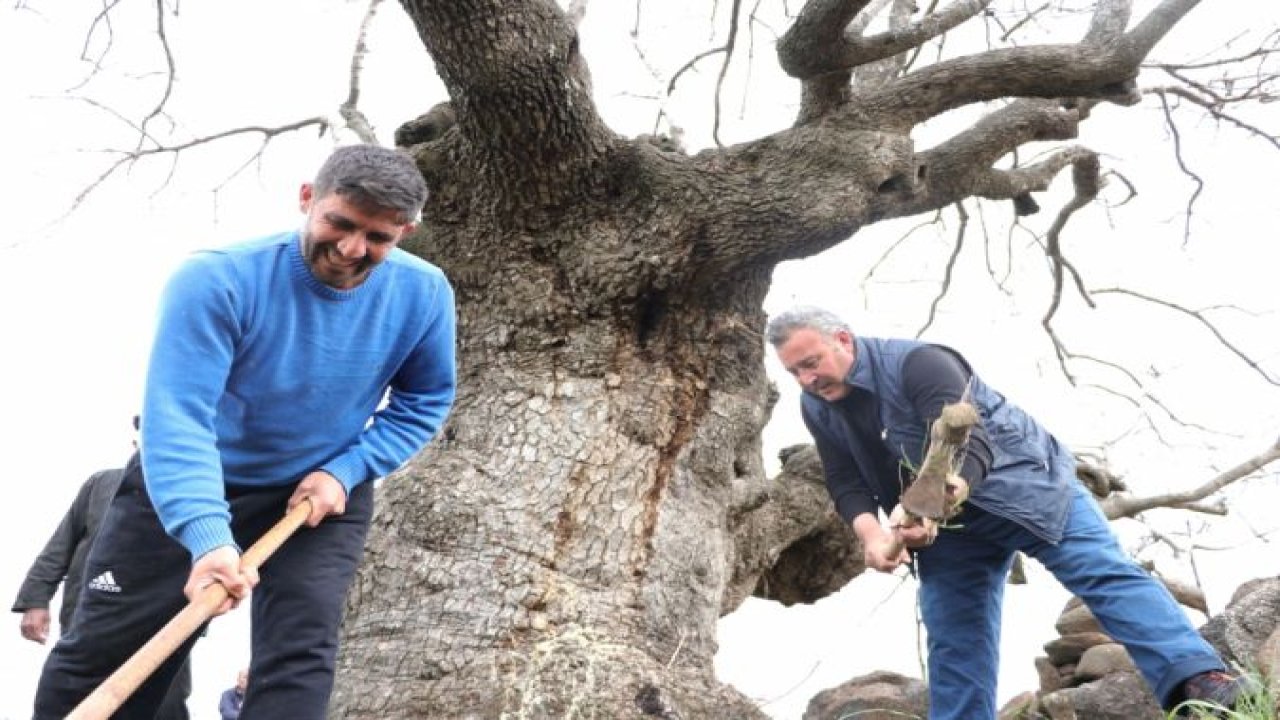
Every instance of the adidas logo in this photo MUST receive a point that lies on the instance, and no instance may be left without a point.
(105, 582)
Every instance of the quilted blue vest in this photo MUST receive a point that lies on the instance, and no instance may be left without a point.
(1031, 473)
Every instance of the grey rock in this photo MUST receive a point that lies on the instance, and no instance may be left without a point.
(880, 695)
(1118, 696)
(1101, 660)
(1069, 648)
(1077, 619)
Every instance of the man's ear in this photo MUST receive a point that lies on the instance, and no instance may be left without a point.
(305, 197)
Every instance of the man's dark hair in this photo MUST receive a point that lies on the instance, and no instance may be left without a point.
(376, 176)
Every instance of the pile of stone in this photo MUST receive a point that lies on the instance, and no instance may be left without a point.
(1085, 674)
(1083, 655)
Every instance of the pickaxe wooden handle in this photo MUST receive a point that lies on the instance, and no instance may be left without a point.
(117, 688)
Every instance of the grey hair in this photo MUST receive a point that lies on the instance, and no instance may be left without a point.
(376, 176)
(782, 326)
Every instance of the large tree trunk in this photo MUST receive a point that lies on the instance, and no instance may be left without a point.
(565, 548)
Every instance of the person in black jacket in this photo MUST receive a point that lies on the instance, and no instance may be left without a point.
(61, 562)
(62, 559)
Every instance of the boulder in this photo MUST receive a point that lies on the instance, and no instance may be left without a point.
(1068, 648)
(1021, 707)
(1077, 619)
(1238, 632)
(1102, 660)
(1118, 696)
(880, 695)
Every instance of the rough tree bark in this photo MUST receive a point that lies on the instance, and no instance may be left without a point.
(565, 548)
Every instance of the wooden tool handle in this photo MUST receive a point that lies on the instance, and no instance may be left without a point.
(117, 688)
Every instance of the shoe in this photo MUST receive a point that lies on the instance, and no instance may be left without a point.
(1210, 691)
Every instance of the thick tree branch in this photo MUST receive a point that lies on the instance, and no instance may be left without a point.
(1047, 71)
(881, 71)
(819, 42)
(962, 165)
(1118, 506)
(825, 44)
(518, 83)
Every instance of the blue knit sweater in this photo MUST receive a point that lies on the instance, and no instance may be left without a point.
(261, 374)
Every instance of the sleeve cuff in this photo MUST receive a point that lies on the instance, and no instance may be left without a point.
(348, 469)
(204, 534)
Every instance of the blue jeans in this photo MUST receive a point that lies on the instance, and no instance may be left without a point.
(962, 578)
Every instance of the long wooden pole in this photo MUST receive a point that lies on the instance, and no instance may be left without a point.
(117, 688)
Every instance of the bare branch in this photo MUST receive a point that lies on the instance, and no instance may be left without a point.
(1199, 317)
(671, 86)
(1118, 506)
(999, 279)
(1182, 163)
(1267, 48)
(951, 265)
(1009, 31)
(1213, 104)
(866, 278)
(102, 19)
(349, 109)
(169, 73)
(724, 68)
(127, 157)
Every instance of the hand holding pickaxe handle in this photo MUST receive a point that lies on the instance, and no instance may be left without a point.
(926, 501)
(116, 689)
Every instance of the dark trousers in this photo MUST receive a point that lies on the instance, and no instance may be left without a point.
(174, 705)
(136, 573)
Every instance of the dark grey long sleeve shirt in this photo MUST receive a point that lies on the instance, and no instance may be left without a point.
(63, 557)
(931, 377)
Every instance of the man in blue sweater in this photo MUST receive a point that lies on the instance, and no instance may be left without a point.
(301, 365)
(868, 404)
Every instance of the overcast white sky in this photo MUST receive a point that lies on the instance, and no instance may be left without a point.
(76, 307)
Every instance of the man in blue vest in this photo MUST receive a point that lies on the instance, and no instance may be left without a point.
(868, 404)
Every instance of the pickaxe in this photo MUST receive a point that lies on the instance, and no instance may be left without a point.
(925, 499)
